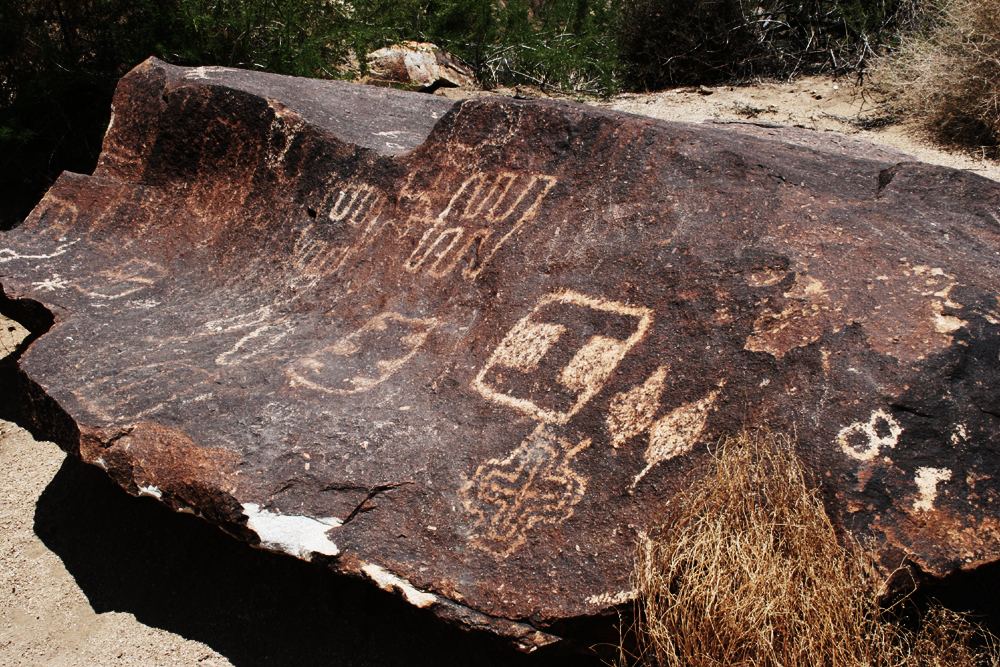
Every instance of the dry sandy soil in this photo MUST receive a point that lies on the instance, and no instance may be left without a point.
(91, 576)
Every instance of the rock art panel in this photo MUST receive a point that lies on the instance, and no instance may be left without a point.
(467, 350)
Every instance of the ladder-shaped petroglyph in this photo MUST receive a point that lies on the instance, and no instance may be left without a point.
(478, 219)
(534, 484)
(548, 366)
(364, 359)
(358, 206)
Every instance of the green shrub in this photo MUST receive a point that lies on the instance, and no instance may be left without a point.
(565, 44)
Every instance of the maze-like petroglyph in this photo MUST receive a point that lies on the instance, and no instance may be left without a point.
(535, 484)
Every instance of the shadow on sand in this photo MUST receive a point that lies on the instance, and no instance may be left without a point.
(178, 573)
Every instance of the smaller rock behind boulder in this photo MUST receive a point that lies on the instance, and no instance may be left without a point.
(419, 65)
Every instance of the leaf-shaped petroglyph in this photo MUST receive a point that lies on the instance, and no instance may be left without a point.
(677, 433)
(632, 412)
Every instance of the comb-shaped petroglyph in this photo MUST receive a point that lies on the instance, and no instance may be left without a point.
(676, 433)
(534, 484)
(258, 341)
(364, 359)
(558, 357)
(480, 217)
(136, 393)
(864, 440)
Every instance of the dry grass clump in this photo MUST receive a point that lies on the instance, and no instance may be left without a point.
(744, 569)
(950, 76)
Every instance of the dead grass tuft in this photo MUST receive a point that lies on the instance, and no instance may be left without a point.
(744, 569)
(950, 76)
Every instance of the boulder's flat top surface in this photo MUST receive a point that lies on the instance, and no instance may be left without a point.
(466, 351)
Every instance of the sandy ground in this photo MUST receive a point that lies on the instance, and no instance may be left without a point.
(823, 104)
(91, 576)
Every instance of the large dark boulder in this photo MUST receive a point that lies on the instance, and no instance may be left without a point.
(468, 351)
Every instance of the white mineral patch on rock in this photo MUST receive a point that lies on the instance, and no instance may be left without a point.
(927, 480)
(610, 599)
(299, 536)
(389, 582)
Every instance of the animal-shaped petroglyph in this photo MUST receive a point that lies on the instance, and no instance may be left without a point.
(927, 481)
(133, 276)
(534, 484)
(364, 359)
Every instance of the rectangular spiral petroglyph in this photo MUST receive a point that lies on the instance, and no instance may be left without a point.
(550, 364)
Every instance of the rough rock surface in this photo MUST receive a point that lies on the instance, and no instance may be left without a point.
(420, 65)
(467, 351)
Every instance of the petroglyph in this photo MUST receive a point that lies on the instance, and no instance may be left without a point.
(478, 219)
(137, 392)
(358, 206)
(534, 484)
(812, 308)
(354, 205)
(259, 340)
(632, 412)
(800, 322)
(927, 480)
(8, 255)
(558, 357)
(676, 434)
(863, 440)
(364, 359)
(51, 284)
(133, 276)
